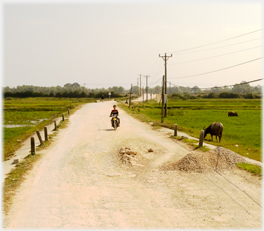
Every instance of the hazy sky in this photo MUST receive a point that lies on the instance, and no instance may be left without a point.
(110, 43)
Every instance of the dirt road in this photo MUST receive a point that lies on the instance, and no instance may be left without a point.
(81, 182)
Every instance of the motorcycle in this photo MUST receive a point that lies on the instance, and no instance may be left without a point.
(114, 121)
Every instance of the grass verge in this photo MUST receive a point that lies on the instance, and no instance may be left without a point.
(255, 170)
(15, 178)
(17, 175)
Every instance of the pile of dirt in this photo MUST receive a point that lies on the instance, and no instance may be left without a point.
(126, 155)
(214, 160)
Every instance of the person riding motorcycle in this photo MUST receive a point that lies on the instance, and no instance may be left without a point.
(115, 112)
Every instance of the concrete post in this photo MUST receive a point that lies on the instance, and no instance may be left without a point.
(39, 136)
(175, 129)
(46, 133)
(201, 138)
(55, 125)
(33, 148)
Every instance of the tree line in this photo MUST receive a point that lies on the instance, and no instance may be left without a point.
(75, 90)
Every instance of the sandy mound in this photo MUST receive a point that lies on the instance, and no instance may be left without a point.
(214, 160)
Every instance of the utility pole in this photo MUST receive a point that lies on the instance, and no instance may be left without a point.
(140, 85)
(162, 98)
(147, 76)
(165, 58)
(137, 87)
(143, 95)
(130, 96)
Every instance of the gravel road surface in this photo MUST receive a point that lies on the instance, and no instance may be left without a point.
(82, 181)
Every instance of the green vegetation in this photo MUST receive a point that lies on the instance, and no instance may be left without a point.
(191, 142)
(30, 114)
(256, 170)
(15, 178)
(17, 175)
(241, 134)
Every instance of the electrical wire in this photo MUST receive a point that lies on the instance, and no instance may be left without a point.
(234, 44)
(190, 76)
(237, 84)
(215, 42)
(195, 60)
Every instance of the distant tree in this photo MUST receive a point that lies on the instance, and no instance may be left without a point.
(76, 85)
(215, 90)
(157, 89)
(68, 85)
(242, 88)
(257, 89)
(196, 90)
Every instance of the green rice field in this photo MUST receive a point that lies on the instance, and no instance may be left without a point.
(22, 116)
(241, 134)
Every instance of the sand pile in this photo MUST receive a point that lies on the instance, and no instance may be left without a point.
(214, 160)
(127, 155)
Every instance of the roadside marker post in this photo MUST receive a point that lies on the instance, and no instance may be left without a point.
(46, 133)
(33, 148)
(39, 136)
(55, 125)
(175, 129)
(201, 139)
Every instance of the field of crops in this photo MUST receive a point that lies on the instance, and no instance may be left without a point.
(241, 134)
(23, 116)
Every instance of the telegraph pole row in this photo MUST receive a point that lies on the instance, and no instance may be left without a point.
(165, 58)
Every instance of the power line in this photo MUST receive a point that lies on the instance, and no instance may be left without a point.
(156, 74)
(215, 56)
(256, 80)
(215, 42)
(235, 84)
(183, 53)
(190, 76)
(156, 81)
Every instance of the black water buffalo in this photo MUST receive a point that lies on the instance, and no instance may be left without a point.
(232, 113)
(215, 129)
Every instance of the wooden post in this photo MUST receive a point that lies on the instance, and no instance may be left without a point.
(55, 125)
(68, 111)
(201, 138)
(46, 133)
(33, 149)
(62, 117)
(175, 129)
(39, 136)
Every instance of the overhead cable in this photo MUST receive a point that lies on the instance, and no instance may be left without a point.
(190, 61)
(237, 84)
(216, 42)
(214, 48)
(190, 76)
